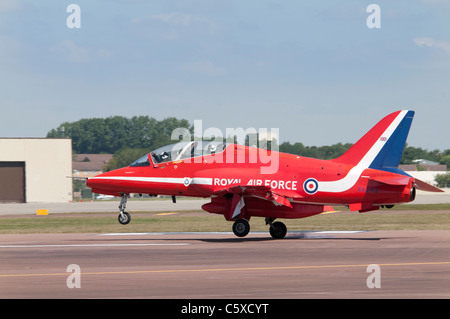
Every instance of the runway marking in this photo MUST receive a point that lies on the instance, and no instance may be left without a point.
(168, 233)
(228, 269)
(231, 233)
(88, 245)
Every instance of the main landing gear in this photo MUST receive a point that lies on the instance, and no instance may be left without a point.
(241, 227)
(124, 218)
(278, 230)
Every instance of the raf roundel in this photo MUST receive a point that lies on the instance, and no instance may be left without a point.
(187, 181)
(311, 186)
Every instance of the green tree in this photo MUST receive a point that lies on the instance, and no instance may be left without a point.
(125, 157)
(411, 153)
(109, 135)
(321, 152)
(443, 180)
(445, 160)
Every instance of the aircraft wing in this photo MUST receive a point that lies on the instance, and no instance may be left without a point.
(244, 190)
(278, 197)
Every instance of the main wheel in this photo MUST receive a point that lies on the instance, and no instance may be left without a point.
(278, 230)
(125, 219)
(241, 227)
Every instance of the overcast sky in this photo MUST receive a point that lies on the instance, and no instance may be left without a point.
(313, 69)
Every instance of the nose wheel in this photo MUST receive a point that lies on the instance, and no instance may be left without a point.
(124, 218)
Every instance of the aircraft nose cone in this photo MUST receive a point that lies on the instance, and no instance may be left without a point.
(90, 182)
(107, 183)
(99, 185)
(97, 182)
(94, 183)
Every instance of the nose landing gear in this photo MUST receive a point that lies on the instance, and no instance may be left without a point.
(124, 218)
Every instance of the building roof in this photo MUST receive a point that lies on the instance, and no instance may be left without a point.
(425, 162)
(93, 158)
(434, 168)
(90, 162)
(429, 168)
(408, 168)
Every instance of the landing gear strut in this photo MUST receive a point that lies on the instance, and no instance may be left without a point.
(277, 230)
(124, 218)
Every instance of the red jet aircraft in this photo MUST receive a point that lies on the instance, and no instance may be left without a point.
(364, 178)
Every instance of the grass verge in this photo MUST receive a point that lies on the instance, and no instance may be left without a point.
(193, 221)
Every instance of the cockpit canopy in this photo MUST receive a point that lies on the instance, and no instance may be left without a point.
(180, 151)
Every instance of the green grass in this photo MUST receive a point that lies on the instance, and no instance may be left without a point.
(202, 221)
(428, 207)
(376, 221)
(403, 207)
(107, 222)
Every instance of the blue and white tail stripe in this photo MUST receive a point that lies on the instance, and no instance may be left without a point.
(389, 156)
(384, 154)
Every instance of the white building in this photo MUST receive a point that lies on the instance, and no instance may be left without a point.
(427, 172)
(35, 170)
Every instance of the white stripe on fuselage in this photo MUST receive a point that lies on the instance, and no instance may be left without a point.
(172, 180)
(354, 174)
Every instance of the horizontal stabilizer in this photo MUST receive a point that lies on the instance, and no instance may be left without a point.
(396, 180)
(421, 185)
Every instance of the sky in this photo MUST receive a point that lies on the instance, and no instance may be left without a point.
(312, 69)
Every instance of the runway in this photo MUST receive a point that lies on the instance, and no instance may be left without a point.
(134, 205)
(154, 205)
(411, 264)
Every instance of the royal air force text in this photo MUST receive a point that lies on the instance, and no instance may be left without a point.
(272, 183)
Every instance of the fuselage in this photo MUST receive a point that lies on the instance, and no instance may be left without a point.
(300, 179)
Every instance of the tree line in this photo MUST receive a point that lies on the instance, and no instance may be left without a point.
(332, 151)
(112, 134)
(130, 138)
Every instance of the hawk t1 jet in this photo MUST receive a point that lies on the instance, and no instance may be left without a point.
(364, 178)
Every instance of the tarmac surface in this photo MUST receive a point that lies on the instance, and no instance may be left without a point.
(408, 264)
(304, 265)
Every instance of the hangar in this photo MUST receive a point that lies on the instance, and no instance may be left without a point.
(35, 170)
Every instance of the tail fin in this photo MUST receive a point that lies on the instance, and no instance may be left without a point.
(382, 147)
